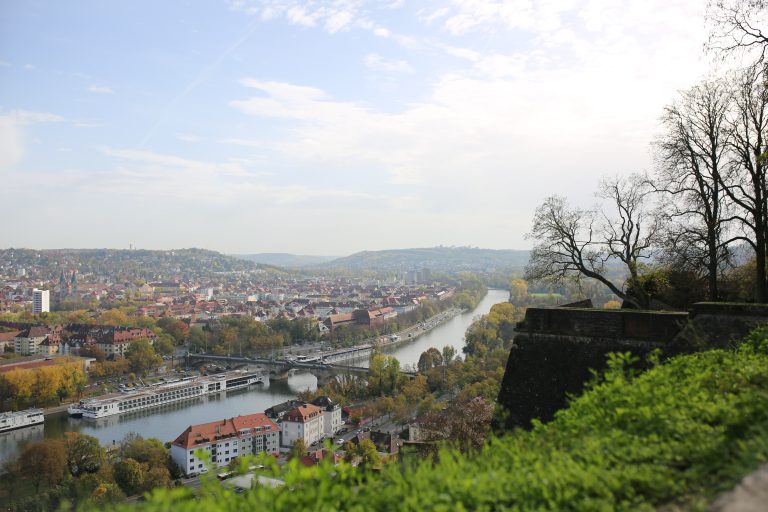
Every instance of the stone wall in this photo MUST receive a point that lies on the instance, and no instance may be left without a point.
(555, 350)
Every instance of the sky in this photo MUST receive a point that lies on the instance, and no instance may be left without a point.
(325, 127)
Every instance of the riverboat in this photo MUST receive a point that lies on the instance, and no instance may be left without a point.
(161, 394)
(20, 419)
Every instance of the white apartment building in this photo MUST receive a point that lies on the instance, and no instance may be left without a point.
(30, 342)
(223, 441)
(41, 301)
(331, 414)
(304, 422)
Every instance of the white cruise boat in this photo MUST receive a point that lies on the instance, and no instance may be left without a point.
(20, 419)
(161, 394)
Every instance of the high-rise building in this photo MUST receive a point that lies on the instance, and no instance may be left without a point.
(41, 301)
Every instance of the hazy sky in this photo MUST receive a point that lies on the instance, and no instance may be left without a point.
(324, 127)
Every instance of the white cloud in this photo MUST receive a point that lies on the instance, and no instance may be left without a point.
(187, 166)
(13, 126)
(378, 63)
(86, 124)
(428, 17)
(466, 16)
(100, 89)
(332, 15)
(577, 100)
(187, 137)
(338, 21)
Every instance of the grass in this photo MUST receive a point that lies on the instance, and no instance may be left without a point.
(676, 434)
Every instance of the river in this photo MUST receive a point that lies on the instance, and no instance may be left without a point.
(166, 423)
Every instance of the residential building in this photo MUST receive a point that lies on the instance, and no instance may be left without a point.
(276, 412)
(41, 301)
(7, 339)
(225, 440)
(374, 316)
(29, 341)
(304, 422)
(331, 414)
(339, 320)
(115, 341)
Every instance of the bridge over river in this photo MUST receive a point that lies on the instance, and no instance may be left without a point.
(323, 365)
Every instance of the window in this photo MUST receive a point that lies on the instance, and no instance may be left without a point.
(191, 460)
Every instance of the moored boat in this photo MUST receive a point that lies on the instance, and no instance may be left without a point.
(161, 394)
(20, 419)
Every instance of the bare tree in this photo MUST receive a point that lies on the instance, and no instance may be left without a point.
(739, 25)
(691, 154)
(630, 229)
(573, 243)
(744, 182)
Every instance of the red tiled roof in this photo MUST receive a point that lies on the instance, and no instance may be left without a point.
(196, 435)
(303, 413)
(8, 336)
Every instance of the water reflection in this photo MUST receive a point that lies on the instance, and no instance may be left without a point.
(16, 439)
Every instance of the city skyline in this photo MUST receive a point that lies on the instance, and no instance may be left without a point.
(326, 128)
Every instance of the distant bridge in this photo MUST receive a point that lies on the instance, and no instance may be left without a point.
(318, 365)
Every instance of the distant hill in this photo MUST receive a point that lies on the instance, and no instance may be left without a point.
(284, 259)
(438, 259)
(120, 262)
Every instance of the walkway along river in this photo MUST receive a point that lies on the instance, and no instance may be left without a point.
(167, 422)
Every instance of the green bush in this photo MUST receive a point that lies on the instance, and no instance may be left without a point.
(679, 432)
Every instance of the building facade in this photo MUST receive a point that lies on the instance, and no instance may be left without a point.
(41, 301)
(305, 422)
(331, 414)
(29, 342)
(223, 441)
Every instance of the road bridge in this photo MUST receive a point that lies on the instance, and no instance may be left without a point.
(282, 368)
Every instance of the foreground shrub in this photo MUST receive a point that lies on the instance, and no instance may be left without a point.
(686, 428)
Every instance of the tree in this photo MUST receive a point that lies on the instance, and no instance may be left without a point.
(141, 356)
(462, 423)
(746, 180)
(158, 477)
(692, 154)
(518, 291)
(44, 462)
(106, 493)
(84, 453)
(364, 452)
(629, 229)
(175, 328)
(574, 243)
(129, 475)
(91, 350)
(429, 359)
(298, 450)
(448, 354)
(738, 25)
(164, 344)
(146, 451)
(113, 317)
